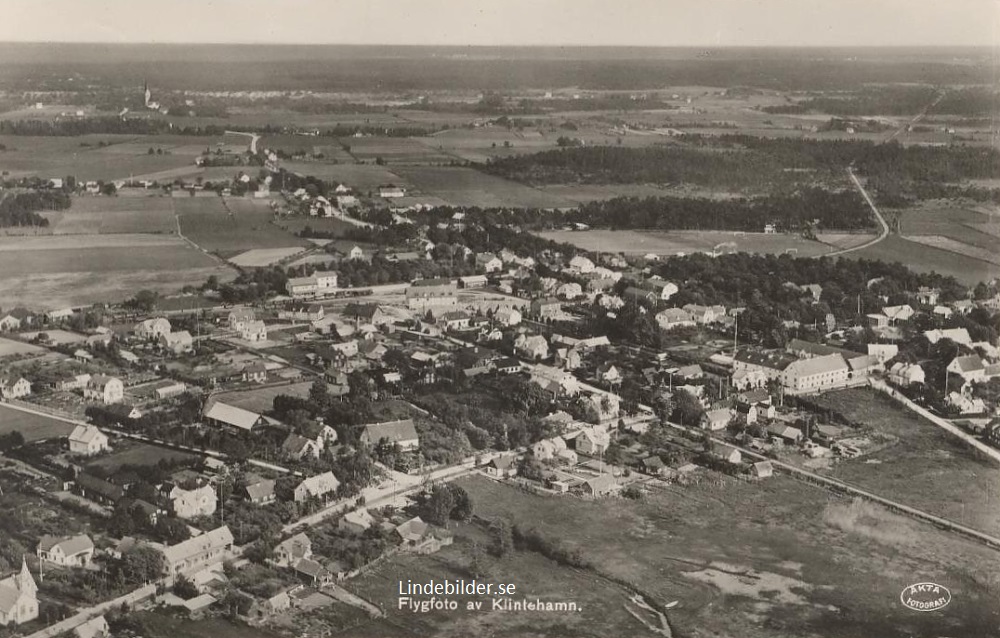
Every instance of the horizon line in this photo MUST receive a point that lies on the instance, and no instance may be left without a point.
(506, 46)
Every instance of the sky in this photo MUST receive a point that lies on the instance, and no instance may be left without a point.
(509, 22)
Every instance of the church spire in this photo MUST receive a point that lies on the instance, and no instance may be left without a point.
(25, 582)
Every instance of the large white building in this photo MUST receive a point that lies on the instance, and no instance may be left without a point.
(320, 282)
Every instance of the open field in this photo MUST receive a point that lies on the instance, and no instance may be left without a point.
(33, 427)
(262, 399)
(394, 150)
(468, 187)
(771, 558)
(969, 224)
(947, 243)
(259, 257)
(926, 468)
(602, 604)
(96, 253)
(56, 271)
(206, 222)
(685, 242)
(360, 177)
(84, 158)
(139, 454)
(927, 259)
(10, 347)
(108, 215)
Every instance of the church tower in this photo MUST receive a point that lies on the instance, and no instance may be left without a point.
(147, 94)
(25, 583)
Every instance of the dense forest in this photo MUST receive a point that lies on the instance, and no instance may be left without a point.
(730, 168)
(896, 172)
(882, 100)
(20, 209)
(809, 208)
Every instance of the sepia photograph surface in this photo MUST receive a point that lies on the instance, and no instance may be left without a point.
(501, 318)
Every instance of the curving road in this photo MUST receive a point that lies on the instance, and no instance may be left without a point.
(878, 216)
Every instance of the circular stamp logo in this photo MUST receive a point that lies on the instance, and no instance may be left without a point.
(925, 596)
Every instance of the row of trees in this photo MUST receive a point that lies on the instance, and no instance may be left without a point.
(20, 209)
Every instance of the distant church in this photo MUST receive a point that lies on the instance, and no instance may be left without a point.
(18, 598)
(148, 95)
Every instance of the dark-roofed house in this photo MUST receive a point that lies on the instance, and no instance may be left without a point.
(313, 572)
(260, 492)
(402, 432)
(255, 372)
(368, 313)
(502, 466)
(98, 490)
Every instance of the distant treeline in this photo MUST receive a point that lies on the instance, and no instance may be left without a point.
(19, 209)
(157, 126)
(104, 125)
(895, 100)
(733, 168)
(798, 211)
(742, 161)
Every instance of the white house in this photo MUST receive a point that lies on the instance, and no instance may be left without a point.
(152, 329)
(402, 433)
(905, 374)
(581, 265)
(177, 342)
(507, 316)
(531, 347)
(321, 486)
(105, 389)
(14, 388)
(254, 331)
(662, 288)
(816, 373)
(969, 367)
(68, 551)
(201, 501)
(88, 440)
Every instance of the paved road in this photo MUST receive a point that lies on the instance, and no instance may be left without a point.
(878, 216)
